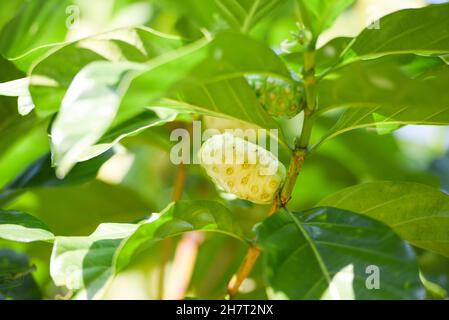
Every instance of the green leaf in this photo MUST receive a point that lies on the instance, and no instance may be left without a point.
(181, 217)
(87, 264)
(419, 31)
(134, 126)
(418, 213)
(319, 15)
(198, 11)
(38, 24)
(327, 253)
(231, 98)
(241, 15)
(7, 10)
(201, 63)
(204, 74)
(208, 72)
(22, 227)
(16, 280)
(52, 76)
(92, 99)
(387, 92)
(200, 71)
(244, 14)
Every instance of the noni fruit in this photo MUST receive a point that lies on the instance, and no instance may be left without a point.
(242, 168)
(279, 98)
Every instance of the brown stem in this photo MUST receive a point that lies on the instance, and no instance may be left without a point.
(183, 265)
(244, 271)
(167, 244)
(180, 181)
(296, 164)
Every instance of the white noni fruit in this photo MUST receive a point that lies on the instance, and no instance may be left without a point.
(242, 168)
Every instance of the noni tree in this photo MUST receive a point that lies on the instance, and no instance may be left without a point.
(222, 149)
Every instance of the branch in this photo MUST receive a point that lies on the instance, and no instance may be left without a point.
(248, 263)
(167, 244)
(297, 162)
(244, 271)
(183, 265)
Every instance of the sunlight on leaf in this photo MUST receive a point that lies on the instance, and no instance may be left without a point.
(92, 99)
(22, 227)
(340, 287)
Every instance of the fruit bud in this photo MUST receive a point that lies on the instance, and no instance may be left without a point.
(279, 98)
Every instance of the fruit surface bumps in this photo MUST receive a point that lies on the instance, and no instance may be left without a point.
(279, 98)
(242, 168)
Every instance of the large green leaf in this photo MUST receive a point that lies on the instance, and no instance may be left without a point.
(92, 100)
(205, 74)
(241, 15)
(22, 227)
(197, 11)
(210, 62)
(181, 217)
(319, 15)
(244, 14)
(231, 98)
(149, 118)
(7, 10)
(387, 93)
(52, 76)
(202, 70)
(37, 24)
(87, 264)
(420, 31)
(327, 253)
(395, 81)
(213, 85)
(418, 213)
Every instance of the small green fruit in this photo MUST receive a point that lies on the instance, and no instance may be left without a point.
(279, 98)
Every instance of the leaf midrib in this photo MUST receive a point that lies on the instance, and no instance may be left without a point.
(248, 18)
(315, 251)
